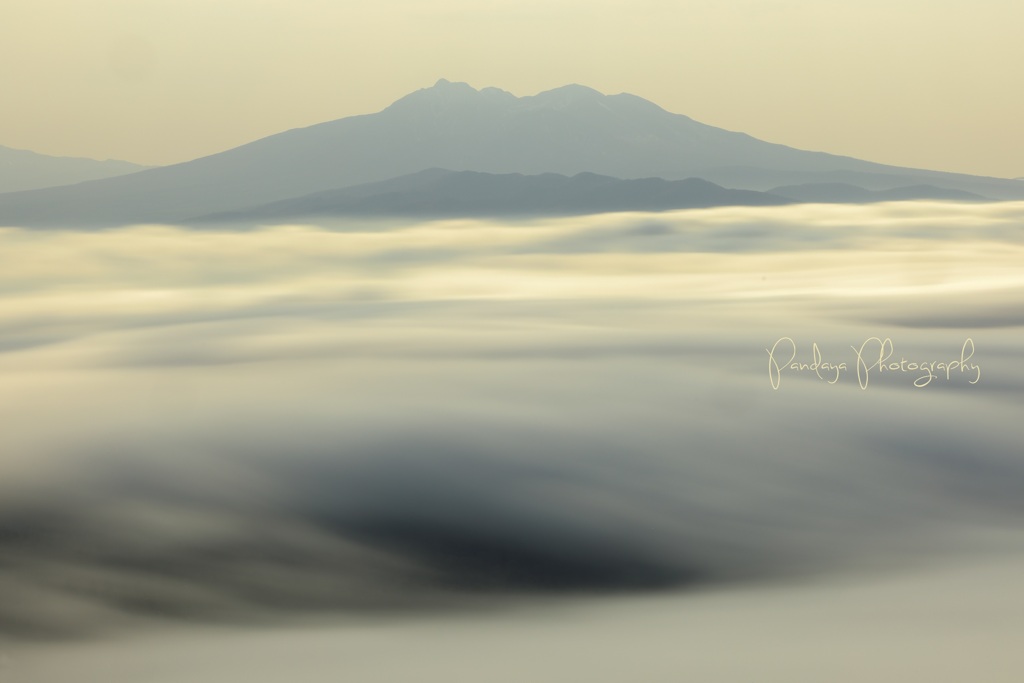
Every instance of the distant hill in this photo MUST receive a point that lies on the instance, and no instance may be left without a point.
(569, 130)
(443, 193)
(843, 193)
(24, 170)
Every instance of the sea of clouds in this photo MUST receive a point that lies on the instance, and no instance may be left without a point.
(462, 423)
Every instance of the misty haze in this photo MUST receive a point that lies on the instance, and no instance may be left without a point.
(510, 449)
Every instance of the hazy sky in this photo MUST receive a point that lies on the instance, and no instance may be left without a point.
(927, 83)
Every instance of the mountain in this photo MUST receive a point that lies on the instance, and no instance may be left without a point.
(24, 170)
(443, 193)
(568, 130)
(843, 193)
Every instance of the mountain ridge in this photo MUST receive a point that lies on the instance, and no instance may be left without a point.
(22, 169)
(442, 193)
(844, 193)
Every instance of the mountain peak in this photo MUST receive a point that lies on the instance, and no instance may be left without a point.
(452, 86)
(568, 95)
(574, 90)
(445, 94)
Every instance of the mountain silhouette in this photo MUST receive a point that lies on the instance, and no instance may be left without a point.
(568, 130)
(24, 170)
(443, 193)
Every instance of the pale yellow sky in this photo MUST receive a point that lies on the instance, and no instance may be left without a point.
(925, 83)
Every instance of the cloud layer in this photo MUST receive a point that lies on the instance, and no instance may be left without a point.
(259, 424)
